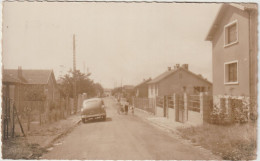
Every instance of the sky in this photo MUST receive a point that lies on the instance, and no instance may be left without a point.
(118, 42)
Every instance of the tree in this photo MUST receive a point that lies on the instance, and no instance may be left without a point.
(83, 84)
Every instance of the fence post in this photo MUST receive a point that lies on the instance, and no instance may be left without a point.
(13, 125)
(167, 107)
(155, 106)
(201, 104)
(176, 106)
(164, 106)
(133, 102)
(204, 107)
(185, 99)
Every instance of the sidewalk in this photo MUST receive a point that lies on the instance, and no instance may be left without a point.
(163, 122)
(36, 142)
(171, 126)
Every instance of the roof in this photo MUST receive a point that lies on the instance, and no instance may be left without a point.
(143, 82)
(8, 79)
(221, 13)
(30, 76)
(168, 73)
(162, 76)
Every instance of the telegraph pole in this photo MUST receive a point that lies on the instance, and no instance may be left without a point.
(75, 100)
(84, 67)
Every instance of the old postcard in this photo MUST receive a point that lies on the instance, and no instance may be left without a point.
(85, 80)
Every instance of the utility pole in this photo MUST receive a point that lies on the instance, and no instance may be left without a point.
(84, 67)
(75, 100)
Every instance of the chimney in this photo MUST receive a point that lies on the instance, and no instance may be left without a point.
(169, 68)
(185, 66)
(176, 66)
(19, 72)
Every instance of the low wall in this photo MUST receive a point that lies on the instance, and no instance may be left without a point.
(159, 111)
(195, 118)
(171, 114)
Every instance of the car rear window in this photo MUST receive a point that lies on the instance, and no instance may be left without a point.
(91, 101)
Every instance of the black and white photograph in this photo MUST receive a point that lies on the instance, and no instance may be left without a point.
(129, 80)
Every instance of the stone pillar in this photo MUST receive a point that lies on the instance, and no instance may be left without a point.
(176, 106)
(204, 107)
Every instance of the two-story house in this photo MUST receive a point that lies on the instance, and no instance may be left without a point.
(233, 35)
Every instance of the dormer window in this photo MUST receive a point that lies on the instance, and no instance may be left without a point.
(231, 34)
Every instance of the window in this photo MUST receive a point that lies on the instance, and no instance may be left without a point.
(231, 72)
(231, 34)
(198, 89)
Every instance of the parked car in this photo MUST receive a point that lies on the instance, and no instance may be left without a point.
(92, 109)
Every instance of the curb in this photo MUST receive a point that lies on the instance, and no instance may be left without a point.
(62, 134)
(174, 132)
(163, 127)
(56, 138)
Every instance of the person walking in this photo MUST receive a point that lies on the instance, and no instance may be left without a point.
(126, 106)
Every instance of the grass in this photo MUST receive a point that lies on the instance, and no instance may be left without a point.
(19, 148)
(233, 142)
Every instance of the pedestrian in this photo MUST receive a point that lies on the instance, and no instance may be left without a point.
(126, 106)
(133, 110)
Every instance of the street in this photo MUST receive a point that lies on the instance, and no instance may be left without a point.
(122, 137)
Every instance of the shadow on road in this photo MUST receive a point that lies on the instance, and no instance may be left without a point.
(98, 120)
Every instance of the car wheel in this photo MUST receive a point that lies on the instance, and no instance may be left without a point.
(104, 118)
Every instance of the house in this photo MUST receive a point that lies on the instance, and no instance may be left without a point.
(178, 80)
(233, 35)
(11, 86)
(34, 85)
(141, 90)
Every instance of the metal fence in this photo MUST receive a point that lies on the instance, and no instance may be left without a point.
(194, 103)
(146, 104)
(159, 101)
(170, 101)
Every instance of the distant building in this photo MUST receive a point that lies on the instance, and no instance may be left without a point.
(141, 90)
(178, 80)
(128, 90)
(234, 53)
(107, 92)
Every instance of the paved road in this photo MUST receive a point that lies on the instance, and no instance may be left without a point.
(122, 137)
